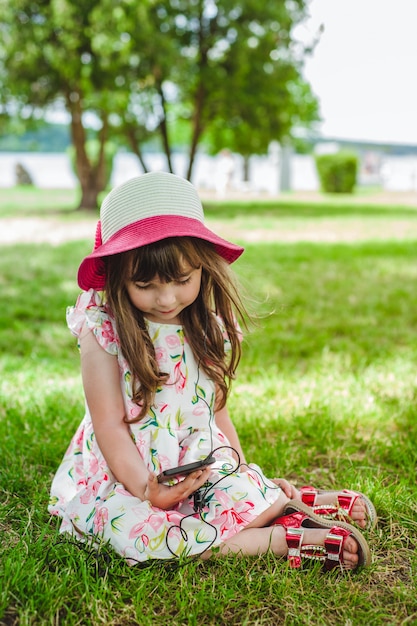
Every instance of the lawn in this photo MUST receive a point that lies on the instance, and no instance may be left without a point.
(326, 395)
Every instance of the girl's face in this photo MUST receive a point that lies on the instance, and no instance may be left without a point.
(163, 302)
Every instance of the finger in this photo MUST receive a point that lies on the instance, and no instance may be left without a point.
(186, 487)
(295, 494)
(198, 477)
(193, 481)
(286, 487)
(153, 481)
(152, 485)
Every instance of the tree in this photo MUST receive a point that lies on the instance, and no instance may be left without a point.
(48, 56)
(253, 123)
(237, 71)
(224, 68)
(138, 57)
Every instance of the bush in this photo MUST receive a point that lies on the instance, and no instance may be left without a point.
(337, 172)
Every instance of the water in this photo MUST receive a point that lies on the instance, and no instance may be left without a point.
(395, 173)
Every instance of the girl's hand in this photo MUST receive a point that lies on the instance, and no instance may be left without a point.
(289, 489)
(166, 497)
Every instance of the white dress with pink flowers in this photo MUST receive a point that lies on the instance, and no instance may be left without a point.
(178, 429)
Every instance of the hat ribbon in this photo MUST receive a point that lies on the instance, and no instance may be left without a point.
(97, 240)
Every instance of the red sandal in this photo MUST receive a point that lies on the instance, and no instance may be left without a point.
(340, 510)
(297, 516)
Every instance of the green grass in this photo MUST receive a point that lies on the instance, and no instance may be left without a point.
(27, 201)
(326, 394)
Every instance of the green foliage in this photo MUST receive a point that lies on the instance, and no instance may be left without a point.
(326, 393)
(236, 77)
(337, 172)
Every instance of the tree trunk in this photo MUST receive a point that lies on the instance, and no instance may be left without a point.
(134, 144)
(99, 169)
(205, 29)
(164, 129)
(197, 129)
(89, 198)
(92, 176)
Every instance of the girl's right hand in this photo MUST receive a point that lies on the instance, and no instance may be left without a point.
(166, 497)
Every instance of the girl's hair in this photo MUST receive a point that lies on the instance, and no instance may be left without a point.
(218, 295)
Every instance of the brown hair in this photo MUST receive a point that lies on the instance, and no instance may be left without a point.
(218, 294)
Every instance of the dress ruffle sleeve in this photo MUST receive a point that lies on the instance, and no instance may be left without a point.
(90, 309)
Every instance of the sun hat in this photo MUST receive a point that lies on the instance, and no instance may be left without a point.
(143, 210)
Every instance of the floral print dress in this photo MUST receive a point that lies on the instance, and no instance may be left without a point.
(180, 428)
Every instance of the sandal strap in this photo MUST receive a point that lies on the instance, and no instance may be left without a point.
(343, 505)
(334, 543)
(332, 512)
(347, 499)
(308, 495)
(294, 538)
(331, 553)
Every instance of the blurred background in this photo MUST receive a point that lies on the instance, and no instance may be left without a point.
(238, 98)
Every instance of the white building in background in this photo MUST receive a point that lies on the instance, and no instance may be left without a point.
(393, 173)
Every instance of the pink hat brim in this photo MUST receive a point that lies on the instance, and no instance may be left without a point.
(92, 274)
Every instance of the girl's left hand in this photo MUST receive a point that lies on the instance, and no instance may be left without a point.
(289, 489)
(166, 497)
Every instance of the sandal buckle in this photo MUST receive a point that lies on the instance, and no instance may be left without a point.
(294, 538)
(333, 544)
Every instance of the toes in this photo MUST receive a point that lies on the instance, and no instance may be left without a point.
(350, 551)
(358, 513)
(359, 517)
(351, 560)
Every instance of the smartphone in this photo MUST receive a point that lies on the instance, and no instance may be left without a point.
(184, 470)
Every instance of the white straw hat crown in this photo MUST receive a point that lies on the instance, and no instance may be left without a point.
(154, 194)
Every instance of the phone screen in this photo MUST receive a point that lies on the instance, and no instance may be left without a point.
(184, 470)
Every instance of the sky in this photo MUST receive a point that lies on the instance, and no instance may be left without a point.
(364, 68)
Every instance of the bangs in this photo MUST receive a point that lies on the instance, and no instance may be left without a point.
(169, 259)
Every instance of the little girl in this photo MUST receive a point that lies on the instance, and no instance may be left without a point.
(159, 343)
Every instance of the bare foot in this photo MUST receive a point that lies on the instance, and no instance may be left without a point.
(358, 513)
(350, 552)
(315, 536)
